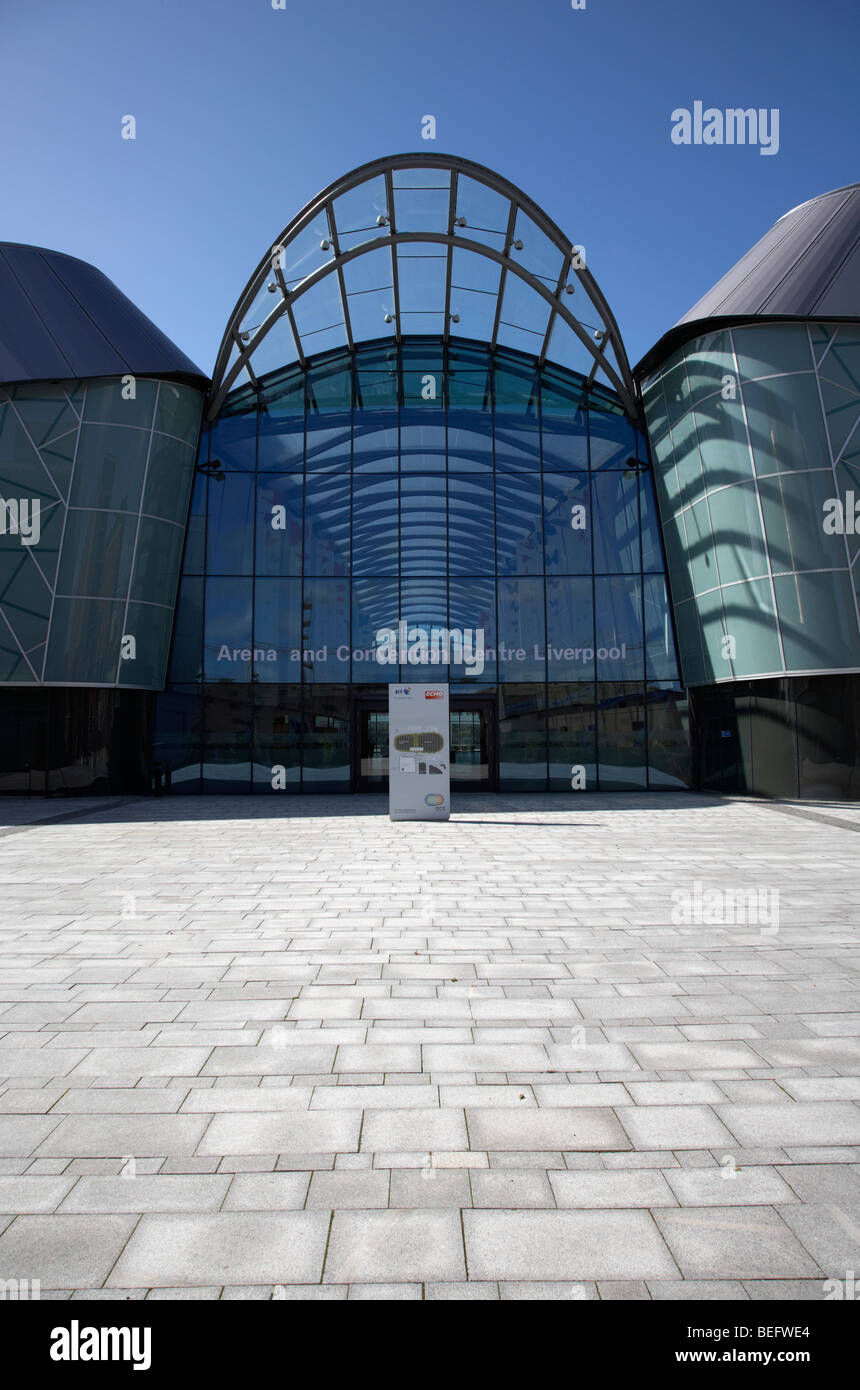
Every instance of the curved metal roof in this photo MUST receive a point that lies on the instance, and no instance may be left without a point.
(61, 319)
(806, 266)
(424, 244)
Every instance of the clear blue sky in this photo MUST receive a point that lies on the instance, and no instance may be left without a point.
(244, 113)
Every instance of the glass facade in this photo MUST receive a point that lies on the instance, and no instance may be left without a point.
(95, 479)
(423, 511)
(755, 436)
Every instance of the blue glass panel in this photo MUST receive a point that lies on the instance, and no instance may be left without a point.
(652, 553)
(230, 531)
(375, 444)
(279, 524)
(571, 732)
(277, 630)
(375, 525)
(471, 525)
(470, 442)
(424, 606)
(570, 629)
(327, 526)
(422, 442)
(228, 653)
(423, 525)
(522, 630)
(233, 442)
(612, 440)
(325, 630)
(328, 442)
(194, 560)
(472, 608)
(567, 523)
(186, 661)
(615, 499)
(619, 624)
(375, 605)
(659, 639)
(282, 443)
(519, 528)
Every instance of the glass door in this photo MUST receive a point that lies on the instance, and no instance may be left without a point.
(371, 749)
(472, 745)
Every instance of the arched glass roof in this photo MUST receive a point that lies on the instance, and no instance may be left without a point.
(422, 244)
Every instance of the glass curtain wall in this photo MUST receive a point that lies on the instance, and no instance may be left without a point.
(423, 512)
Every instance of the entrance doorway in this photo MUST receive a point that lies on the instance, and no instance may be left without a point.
(472, 744)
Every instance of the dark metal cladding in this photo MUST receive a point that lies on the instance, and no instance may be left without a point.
(806, 266)
(60, 318)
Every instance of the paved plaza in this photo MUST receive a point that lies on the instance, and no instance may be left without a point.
(601, 1047)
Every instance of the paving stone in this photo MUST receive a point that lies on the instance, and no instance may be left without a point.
(413, 1129)
(565, 1245)
(230, 1247)
(348, 1190)
(644, 1187)
(674, 1127)
(734, 1243)
(267, 1192)
(162, 1192)
(594, 1128)
(827, 1122)
(63, 1250)
(279, 1133)
(511, 1188)
(429, 1187)
(699, 1187)
(118, 1135)
(32, 1194)
(395, 1246)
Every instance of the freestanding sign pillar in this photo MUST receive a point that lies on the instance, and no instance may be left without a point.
(419, 775)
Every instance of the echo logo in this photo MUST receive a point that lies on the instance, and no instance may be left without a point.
(434, 694)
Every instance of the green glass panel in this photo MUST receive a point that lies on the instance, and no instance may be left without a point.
(168, 479)
(151, 628)
(818, 620)
(690, 642)
(677, 557)
(44, 410)
(109, 467)
(708, 360)
(737, 532)
(766, 350)
(842, 363)
(676, 388)
(22, 473)
(723, 442)
(702, 558)
(84, 642)
(785, 423)
(688, 463)
(842, 411)
(793, 508)
(96, 558)
(109, 403)
(716, 656)
(157, 558)
(25, 599)
(656, 412)
(178, 411)
(751, 620)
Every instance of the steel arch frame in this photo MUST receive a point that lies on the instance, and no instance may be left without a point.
(226, 372)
